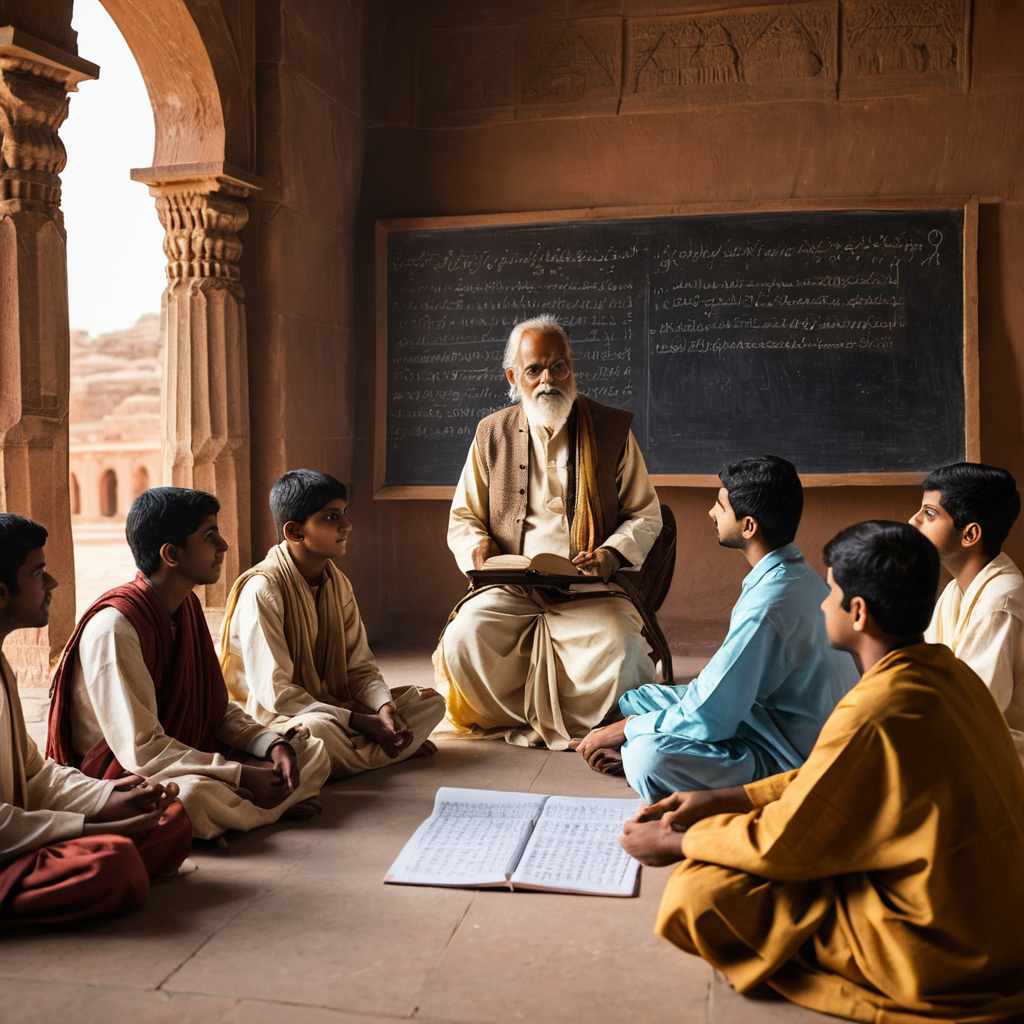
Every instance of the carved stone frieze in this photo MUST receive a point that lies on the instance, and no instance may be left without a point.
(466, 73)
(911, 46)
(753, 54)
(570, 67)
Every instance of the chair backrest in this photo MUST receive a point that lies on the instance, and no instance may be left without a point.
(654, 578)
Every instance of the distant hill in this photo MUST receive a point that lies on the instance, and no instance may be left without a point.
(115, 383)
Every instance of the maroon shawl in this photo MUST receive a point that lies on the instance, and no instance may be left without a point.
(191, 697)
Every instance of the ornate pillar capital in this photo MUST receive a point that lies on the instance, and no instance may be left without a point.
(35, 79)
(201, 209)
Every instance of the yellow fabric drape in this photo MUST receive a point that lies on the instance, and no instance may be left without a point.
(18, 781)
(587, 522)
(881, 881)
(320, 665)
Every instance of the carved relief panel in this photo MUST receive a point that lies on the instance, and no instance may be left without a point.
(754, 54)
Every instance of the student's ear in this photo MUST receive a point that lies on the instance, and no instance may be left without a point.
(169, 555)
(859, 614)
(970, 535)
(750, 527)
(293, 532)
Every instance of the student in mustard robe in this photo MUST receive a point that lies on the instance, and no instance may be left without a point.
(966, 511)
(71, 847)
(293, 646)
(139, 687)
(882, 881)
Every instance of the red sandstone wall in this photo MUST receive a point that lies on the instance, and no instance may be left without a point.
(943, 142)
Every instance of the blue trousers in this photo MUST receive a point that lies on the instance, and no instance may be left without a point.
(657, 764)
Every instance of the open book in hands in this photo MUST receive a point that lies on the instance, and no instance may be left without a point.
(480, 838)
(543, 570)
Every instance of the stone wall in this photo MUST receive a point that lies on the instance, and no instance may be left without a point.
(557, 104)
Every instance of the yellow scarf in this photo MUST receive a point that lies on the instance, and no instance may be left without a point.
(13, 790)
(314, 628)
(587, 521)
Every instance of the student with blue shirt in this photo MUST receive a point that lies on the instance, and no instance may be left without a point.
(759, 704)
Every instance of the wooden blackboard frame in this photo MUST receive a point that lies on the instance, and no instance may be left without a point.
(969, 205)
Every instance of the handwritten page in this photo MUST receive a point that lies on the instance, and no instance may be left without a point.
(575, 848)
(473, 837)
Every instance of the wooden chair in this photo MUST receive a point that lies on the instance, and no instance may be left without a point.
(648, 588)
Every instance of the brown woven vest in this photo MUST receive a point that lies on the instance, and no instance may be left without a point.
(503, 441)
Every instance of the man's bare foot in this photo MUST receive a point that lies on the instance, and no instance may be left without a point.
(607, 761)
(303, 810)
(426, 748)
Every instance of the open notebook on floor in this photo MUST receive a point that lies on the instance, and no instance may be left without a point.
(481, 838)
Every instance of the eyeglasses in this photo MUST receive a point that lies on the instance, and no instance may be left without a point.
(558, 371)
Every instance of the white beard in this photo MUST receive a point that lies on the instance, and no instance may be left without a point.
(549, 405)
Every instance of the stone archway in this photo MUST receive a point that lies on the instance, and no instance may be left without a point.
(108, 493)
(140, 480)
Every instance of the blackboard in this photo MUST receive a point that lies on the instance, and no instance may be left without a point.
(841, 338)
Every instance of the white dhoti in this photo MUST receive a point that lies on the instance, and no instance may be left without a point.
(350, 751)
(544, 667)
(214, 806)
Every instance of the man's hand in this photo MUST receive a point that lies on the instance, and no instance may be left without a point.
(286, 764)
(133, 796)
(652, 842)
(266, 786)
(679, 811)
(135, 828)
(603, 562)
(484, 550)
(388, 728)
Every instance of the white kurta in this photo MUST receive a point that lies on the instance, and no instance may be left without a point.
(57, 799)
(544, 668)
(985, 628)
(115, 699)
(262, 668)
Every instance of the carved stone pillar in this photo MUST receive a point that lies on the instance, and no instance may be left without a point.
(35, 79)
(205, 387)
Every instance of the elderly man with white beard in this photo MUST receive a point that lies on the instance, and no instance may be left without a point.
(554, 472)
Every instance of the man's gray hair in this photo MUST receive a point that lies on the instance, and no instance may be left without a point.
(543, 324)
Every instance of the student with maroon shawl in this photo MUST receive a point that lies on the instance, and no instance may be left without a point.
(139, 687)
(71, 847)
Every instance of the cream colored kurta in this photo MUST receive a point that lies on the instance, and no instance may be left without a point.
(41, 802)
(882, 881)
(543, 668)
(985, 628)
(115, 699)
(261, 671)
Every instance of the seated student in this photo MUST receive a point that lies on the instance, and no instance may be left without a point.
(882, 880)
(293, 646)
(757, 707)
(71, 847)
(966, 512)
(139, 689)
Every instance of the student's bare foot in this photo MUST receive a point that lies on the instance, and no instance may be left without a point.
(426, 748)
(607, 761)
(303, 810)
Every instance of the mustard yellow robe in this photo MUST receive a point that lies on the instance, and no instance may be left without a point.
(884, 880)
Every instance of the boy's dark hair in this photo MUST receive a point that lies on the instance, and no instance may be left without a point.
(768, 489)
(301, 492)
(893, 567)
(975, 493)
(18, 536)
(165, 515)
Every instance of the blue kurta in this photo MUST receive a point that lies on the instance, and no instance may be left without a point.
(758, 706)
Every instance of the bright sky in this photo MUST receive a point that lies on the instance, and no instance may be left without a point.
(115, 260)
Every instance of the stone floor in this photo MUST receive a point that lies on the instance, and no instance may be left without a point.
(293, 923)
